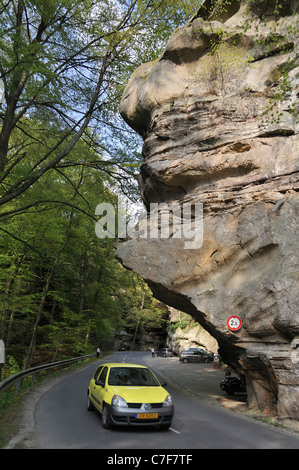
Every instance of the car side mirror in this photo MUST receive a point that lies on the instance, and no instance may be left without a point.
(100, 383)
(163, 383)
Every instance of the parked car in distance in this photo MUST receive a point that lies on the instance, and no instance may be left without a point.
(203, 351)
(164, 352)
(194, 356)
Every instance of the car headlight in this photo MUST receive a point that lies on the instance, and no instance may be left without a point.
(168, 401)
(119, 401)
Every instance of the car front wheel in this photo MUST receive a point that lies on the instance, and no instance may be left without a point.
(106, 419)
(90, 406)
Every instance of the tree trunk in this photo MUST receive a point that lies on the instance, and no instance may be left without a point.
(138, 321)
(44, 296)
(48, 283)
(93, 307)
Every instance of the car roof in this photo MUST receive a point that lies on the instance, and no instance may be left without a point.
(122, 364)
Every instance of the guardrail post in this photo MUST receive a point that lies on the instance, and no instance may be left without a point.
(18, 383)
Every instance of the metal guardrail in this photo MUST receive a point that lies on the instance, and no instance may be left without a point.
(17, 378)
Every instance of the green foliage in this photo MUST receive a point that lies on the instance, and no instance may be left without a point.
(11, 367)
(184, 322)
(182, 325)
(63, 150)
(89, 296)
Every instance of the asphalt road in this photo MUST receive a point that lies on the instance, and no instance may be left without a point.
(63, 422)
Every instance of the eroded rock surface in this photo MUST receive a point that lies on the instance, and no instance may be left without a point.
(217, 112)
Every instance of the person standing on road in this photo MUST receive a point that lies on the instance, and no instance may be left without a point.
(98, 352)
(153, 352)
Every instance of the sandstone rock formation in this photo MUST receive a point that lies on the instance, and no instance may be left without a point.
(145, 339)
(182, 336)
(217, 112)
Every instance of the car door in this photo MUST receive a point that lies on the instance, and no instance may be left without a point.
(191, 357)
(99, 390)
(92, 385)
(198, 357)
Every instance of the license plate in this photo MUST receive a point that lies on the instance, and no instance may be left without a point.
(146, 415)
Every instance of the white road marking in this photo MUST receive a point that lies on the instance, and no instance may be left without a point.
(174, 430)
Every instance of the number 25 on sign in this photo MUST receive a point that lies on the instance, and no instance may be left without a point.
(234, 323)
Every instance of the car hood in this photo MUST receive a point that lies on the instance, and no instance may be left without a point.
(141, 394)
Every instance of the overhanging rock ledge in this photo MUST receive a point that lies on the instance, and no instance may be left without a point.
(217, 112)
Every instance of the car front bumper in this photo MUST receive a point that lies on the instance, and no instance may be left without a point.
(141, 417)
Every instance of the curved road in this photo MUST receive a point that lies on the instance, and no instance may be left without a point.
(63, 422)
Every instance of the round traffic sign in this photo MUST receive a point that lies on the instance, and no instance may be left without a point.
(234, 323)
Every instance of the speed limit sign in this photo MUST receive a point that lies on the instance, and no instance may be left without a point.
(234, 323)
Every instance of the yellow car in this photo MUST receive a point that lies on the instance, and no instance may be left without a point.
(129, 394)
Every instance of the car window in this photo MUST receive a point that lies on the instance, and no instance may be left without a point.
(134, 376)
(97, 373)
(103, 374)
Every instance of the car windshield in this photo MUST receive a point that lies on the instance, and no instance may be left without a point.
(135, 376)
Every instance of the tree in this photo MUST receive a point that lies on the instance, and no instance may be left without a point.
(64, 64)
(63, 148)
(53, 269)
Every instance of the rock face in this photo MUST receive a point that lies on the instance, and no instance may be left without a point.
(145, 339)
(217, 112)
(184, 334)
